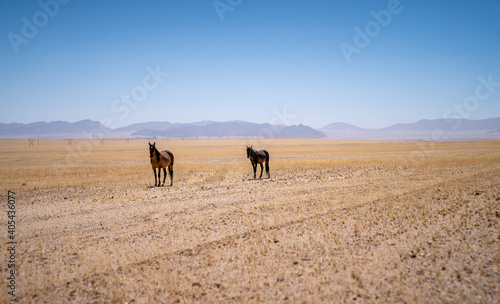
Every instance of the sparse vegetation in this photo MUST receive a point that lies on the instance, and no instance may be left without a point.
(338, 221)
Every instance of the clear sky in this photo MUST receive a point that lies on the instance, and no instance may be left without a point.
(368, 63)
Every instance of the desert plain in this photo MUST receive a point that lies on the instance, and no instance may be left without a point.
(337, 222)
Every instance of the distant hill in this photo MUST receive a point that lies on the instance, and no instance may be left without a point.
(161, 125)
(449, 125)
(422, 130)
(340, 126)
(232, 129)
(54, 129)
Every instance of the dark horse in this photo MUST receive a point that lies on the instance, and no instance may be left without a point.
(161, 160)
(258, 157)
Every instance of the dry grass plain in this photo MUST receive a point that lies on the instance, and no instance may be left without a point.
(338, 221)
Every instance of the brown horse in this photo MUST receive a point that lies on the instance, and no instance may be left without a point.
(161, 160)
(258, 157)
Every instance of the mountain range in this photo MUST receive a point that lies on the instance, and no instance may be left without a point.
(436, 130)
(422, 130)
(155, 129)
(223, 129)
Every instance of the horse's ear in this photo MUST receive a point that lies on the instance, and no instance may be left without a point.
(154, 144)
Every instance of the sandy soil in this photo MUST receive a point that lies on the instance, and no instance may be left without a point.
(338, 221)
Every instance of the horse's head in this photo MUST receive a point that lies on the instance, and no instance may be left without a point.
(152, 148)
(249, 150)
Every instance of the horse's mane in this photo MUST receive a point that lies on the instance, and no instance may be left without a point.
(157, 153)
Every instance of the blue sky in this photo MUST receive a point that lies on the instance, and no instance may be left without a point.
(368, 63)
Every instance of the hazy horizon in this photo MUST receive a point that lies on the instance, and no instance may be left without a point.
(251, 122)
(370, 64)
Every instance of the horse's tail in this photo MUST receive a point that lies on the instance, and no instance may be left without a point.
(171, 167)
(171, 155)
(267, 163)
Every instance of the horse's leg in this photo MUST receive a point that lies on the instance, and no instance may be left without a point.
(164, 175)
(261, 170)
(159, 177)
(154, 173)
(171, 171)
(267, 170)
(254, 170)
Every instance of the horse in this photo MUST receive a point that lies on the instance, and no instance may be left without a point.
(258, 157)
(161, 160)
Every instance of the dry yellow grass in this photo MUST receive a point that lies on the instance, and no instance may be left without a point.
(339, 221)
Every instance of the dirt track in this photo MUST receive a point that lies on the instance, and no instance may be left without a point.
(374, 225)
